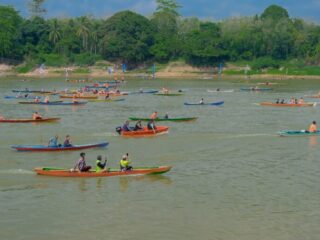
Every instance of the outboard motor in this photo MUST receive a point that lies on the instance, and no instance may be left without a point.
(118, 130)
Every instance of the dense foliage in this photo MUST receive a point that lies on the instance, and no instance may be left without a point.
(127, 37)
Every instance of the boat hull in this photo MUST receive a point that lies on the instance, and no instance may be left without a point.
(43, 148)
(67, 173)
(57, 103)
(298, 133)
(28, 120)
(287, 104)
(205, 104)
(145, 132)
(186, 119)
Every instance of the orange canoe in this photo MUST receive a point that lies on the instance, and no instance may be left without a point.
(55, 172)
(287, 104)
(80, 97)
(145, 132)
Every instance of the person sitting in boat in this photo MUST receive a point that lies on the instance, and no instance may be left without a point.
(67, 141)
(277, 101)
(154, 115)
(36, 116)
(140, 90)
(151, 125)
(138, 126)
(295, 101)
(1, 117)
(74, 98)
(126, 127)
(313, 127)
(292, 100)
(301, 100)
(218, 90)
(107, 96)
(53, 142)
(201, 101)
(81, 164)
(166, 116)
(125, 163)
(100, 166)
(282, 101)
(37, 99)
(267, 83)
(46, 99)
(165, 90)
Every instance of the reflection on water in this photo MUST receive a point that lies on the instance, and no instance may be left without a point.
(313, 142)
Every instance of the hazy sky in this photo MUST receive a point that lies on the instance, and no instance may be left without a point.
(212, 9)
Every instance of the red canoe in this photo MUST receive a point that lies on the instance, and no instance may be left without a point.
(28, 120)
(54, 172)
(145, 132)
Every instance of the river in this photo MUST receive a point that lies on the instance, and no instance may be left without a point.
(232, 176)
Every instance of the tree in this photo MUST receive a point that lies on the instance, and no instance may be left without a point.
(127, 37)
(83, 30)
(10, 22)
(168, 6)
(204, 47)
(275, 13)
(36, 9)
(166, 38)
(54, 32)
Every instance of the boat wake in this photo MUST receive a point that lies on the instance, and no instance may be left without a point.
(106, 134)
(16, 171)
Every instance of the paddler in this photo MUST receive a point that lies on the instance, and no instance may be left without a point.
(67, 141)
(37, 99)
(126, 127)
(138, 126)
(201, 101)
(53, 142)
(46, 99)
(81, 164)
(151, 125)
(301, 100)
(125, 163)
(36, 116)
(154, 115)
(74, 98)
(99, 165)
(313, 127)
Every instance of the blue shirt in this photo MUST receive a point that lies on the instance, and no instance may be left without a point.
(53, 142)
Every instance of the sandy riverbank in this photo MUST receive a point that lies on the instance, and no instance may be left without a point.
(172, 71)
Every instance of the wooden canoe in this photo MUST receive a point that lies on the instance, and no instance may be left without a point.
(54, 172)
(287, 104)
(28, 120)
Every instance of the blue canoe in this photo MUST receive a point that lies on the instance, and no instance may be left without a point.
(43, 148)
(144, 92)
(31, 91)
(55, 103)
(205, 104)
(297, 133)
(256, 90)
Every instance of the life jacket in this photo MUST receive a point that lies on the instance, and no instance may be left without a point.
(124, 163)
(98, 168)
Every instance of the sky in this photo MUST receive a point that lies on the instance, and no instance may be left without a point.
(204, 9)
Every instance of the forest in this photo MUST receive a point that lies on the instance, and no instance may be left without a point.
(266, 40)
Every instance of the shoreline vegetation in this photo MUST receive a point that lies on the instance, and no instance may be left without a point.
(174, 70)
(270, 45)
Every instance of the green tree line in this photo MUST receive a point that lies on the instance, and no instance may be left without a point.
(128, 37)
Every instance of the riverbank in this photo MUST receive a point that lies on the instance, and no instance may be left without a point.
(173, 70)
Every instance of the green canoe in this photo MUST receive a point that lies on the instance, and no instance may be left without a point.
(181, 119)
